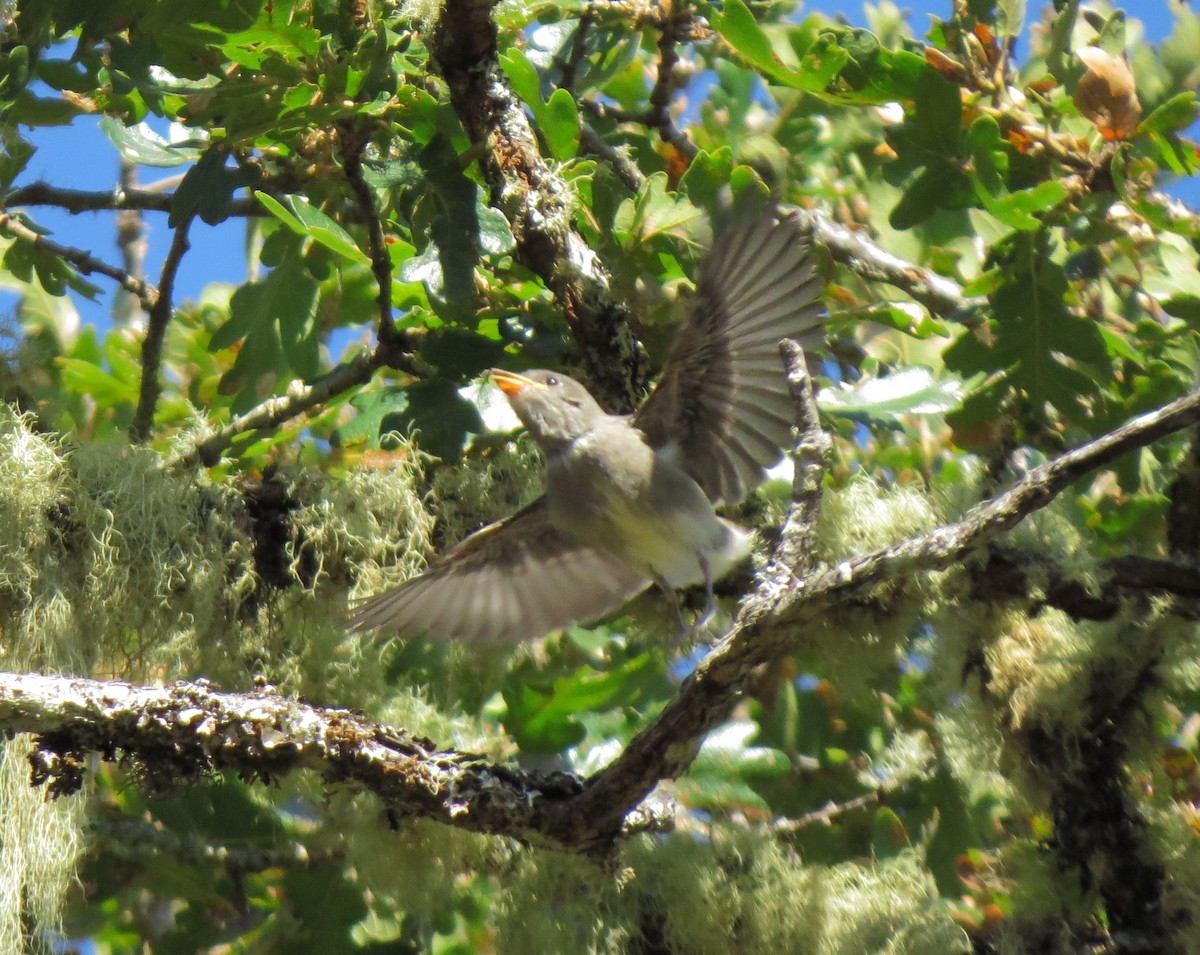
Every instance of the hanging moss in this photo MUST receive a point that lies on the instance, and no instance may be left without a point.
(738, 892)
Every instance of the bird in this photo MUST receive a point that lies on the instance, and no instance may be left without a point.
(631, 500)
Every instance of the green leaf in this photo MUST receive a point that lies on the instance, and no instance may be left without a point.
(1017, 209)
(727, 770)
(941, 185)
(737, 26)
(889, 837)
(41, 111)
(522, 76)
(1173, 116)
(457, 353)
(559, 123)
(907, 317)
(912, 390)
(1010, 18)
(437, 416)
(936, 122)
(207, 189)
(142, 145)
(652, 211)
(495, 236)
(543, 718)
(706, 175)
(1045, 350)
(277, 318)
(373, 406)
(105, 388)
(303, 218)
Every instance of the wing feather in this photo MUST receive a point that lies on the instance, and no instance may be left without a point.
(514, 580)
(722, 395)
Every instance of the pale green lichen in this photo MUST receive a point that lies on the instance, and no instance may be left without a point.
(858, 519)
(1175, 834)
(739, 892)
(864, 516)
(39, 842)
(111, 565)
(486, 487)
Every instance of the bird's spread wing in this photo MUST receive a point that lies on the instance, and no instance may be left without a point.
(723, 398)
(514, 580)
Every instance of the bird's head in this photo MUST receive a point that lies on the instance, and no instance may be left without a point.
(556, 409)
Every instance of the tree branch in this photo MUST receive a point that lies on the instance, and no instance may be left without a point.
(84, 261)
(129, 838)
(679, 20)
(76, 201)
(942, 296)
(536, 201)
(156, 331)
(591, 141)
(795, 553)
(184, 732)
(299, 398)
(381, 261)
(1005, 576)
(131, 240)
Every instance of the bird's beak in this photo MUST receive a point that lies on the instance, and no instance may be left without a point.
(510, 382)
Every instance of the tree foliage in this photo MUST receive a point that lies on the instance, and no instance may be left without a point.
(996, 751)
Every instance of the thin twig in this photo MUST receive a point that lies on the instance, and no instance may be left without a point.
(660, 94)
(942, 296)
(134, 838)
(828, 814)
(131, 240)
(629, 174)
(599, 110)
(381, 262)
(156, 331)
(300, 397)
(81, 200)
(570, 67)
(84, 261)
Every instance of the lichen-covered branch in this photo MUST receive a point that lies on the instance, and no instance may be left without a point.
(1005, 576)
(184, 732)
(536, 201)
(156, 332)
(794, 555)
(942, 296)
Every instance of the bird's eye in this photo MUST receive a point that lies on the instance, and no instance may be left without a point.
(551, 380)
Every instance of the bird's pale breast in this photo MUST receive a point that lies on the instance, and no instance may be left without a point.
(612, 490)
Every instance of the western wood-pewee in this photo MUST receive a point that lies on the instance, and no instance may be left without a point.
(630, 499)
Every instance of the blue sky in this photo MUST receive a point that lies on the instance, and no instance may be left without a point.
(81, 157)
